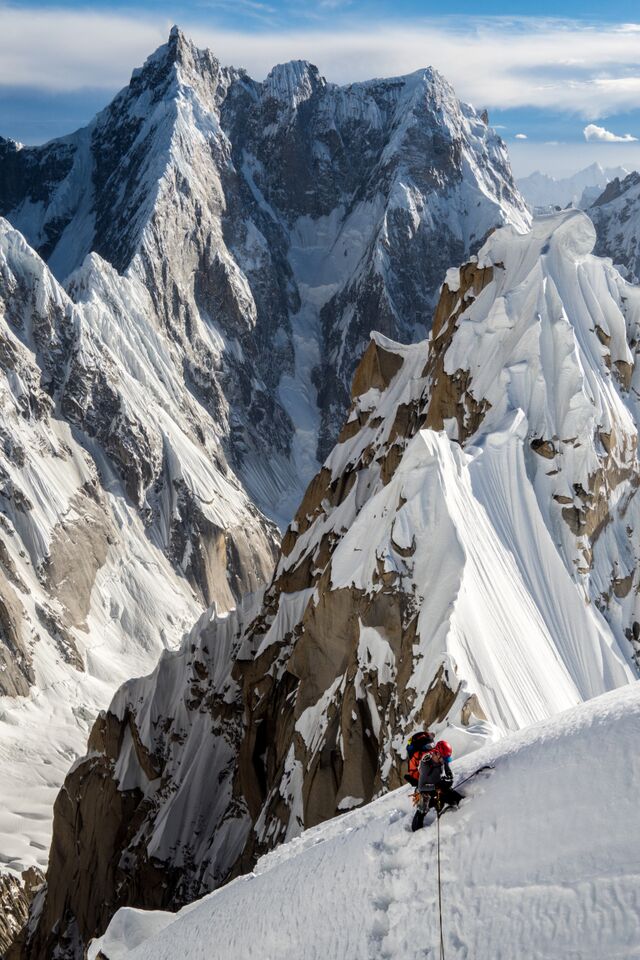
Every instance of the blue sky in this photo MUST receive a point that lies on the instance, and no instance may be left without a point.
(544, 77)
(238, 12)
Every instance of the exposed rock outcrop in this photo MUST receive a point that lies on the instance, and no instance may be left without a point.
(16, 895)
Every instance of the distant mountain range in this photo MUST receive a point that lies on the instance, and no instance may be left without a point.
(543, 192)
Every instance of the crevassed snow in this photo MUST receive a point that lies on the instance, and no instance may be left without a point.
(540, 862)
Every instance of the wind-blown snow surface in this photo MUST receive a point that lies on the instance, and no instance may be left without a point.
(540, 862)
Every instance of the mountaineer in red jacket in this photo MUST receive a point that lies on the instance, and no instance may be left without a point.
(435, 782)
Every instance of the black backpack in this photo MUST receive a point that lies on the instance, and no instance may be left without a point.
(423, 740)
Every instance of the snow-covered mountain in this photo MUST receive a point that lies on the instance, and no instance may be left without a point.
(540, 861)
(185, 287)
(616, 217)
(119, 520)
(273, 224)
(466, 558)
(543, 192)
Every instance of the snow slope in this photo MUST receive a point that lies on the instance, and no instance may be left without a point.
(540, 862)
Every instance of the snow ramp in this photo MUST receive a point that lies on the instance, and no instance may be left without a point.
(541, 861)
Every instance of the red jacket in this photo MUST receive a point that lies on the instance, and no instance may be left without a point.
(413, 774)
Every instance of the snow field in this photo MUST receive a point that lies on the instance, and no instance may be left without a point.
(540, 862)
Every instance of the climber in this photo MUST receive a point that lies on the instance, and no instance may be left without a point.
(434, 783)
(417, 746)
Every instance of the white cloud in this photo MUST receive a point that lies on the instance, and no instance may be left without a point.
(71, 49)
(497, 62)
(601, 135)
(521, 136)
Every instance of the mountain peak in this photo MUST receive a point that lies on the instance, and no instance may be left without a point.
(178, 51)
(293, 82)
(179, 46)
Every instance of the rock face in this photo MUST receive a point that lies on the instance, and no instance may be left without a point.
(616, 217)
(15, 897)
(185, 287)
(466, 558)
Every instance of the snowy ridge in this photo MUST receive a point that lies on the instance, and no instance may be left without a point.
(466, 559)
(412, 538)
(527, 868)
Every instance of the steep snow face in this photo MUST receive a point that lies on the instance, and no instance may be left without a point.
(212, 189)
(118, 521)
(527, 868)
(466, 559)
(543, 192)
(616, 216)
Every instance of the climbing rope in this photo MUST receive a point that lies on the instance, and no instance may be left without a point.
(438, 808)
